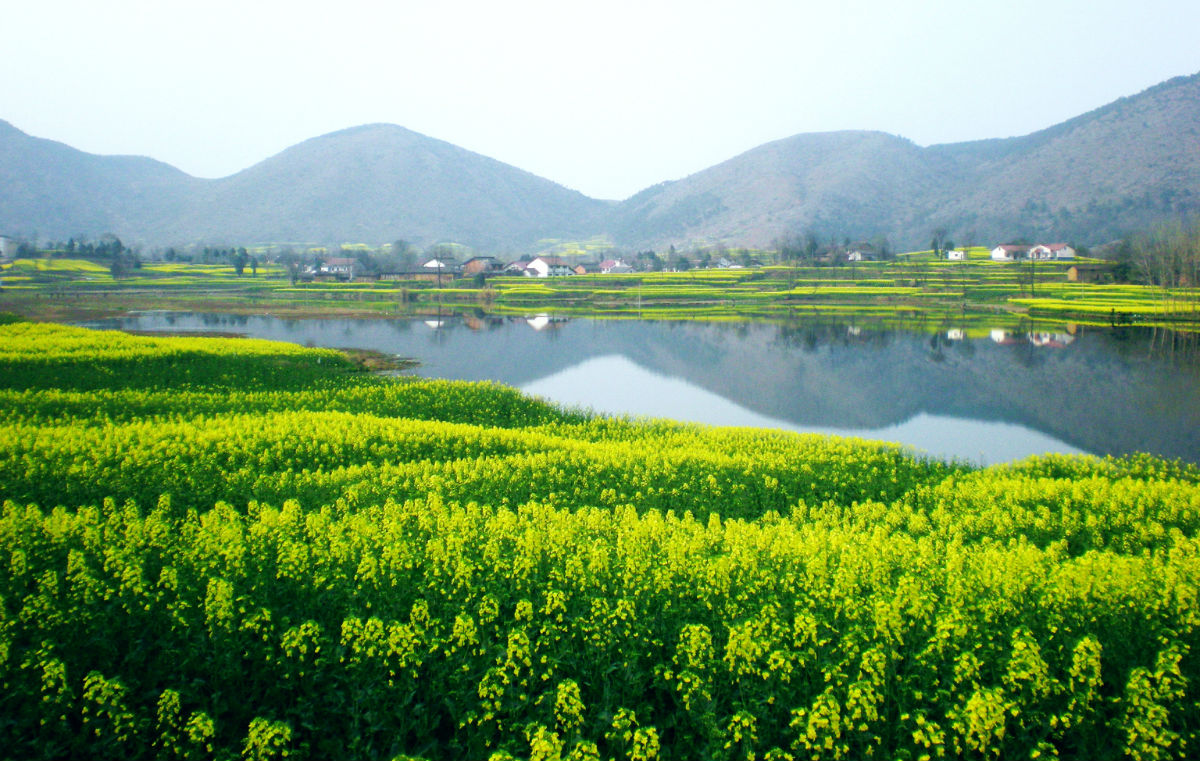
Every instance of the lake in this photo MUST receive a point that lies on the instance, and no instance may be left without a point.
(998, 396)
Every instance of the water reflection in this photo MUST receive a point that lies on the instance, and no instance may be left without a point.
(628, 389)
(965, 391)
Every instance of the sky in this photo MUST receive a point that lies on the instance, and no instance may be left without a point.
(606, 98)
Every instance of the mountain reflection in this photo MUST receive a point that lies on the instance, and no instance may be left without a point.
(1091, 390)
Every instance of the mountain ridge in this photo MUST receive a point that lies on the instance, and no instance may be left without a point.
(1115, 169)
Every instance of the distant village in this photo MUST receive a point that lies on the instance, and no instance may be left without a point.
(443, 266)
(346, 268)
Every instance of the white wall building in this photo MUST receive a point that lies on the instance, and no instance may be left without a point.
(1007, 253)
(548, 266)
(8, 247)
(1052, 251)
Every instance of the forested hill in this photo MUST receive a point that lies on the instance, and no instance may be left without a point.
(1119, 168)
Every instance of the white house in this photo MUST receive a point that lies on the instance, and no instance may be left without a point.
(956, 255)
(445, 264)
(861, 252)
(339, 267)
(1052, 251)
(548, 266)
(614, 266)
(8, 247)
(1008, 253)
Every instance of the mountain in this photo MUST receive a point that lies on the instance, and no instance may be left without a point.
(1113, 170)
(381, 182)
(373, 183)
(853, 182)
(52, 190)
(1120, 168)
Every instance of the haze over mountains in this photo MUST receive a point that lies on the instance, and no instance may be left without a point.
(1114, 170)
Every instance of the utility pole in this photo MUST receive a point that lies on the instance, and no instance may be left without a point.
(1032, 274)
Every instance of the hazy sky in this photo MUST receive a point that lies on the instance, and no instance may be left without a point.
(604, 97)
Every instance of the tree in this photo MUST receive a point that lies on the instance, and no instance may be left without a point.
(407, 256)
(648, 261)
(1169, 257)
(291, 263)
(240, 259)
(123, 264)
(938, 244)
(884, 247)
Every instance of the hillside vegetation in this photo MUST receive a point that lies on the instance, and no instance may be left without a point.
(226, 547)
(1094, 178)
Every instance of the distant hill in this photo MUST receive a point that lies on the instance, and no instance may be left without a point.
(381, 182)
(1117, 169)
(852, 183)
(53, 190)
(1113, 170)
(1098, 176)
(374, 183)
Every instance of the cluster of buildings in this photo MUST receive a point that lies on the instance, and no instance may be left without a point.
(1014, 252)
(1041, 251)
(341, 268)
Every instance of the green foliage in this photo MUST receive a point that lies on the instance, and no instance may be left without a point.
(354, 567)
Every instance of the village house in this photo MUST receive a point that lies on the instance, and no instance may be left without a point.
(335, 268)
(956, 255)
(515, 268)
(614, 267)
(1090, 273)
(8, 247)
(486, 265)
(1009, 252)
(862, 252)
(548, 266)
(1041, 252)
(1052, 251)
(443, 264)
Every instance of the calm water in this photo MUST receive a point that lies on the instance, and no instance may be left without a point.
(987, 400)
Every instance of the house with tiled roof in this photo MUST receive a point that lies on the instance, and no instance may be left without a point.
(614, 266)
(1009, 252)
(548, 266)
(1052, 251)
